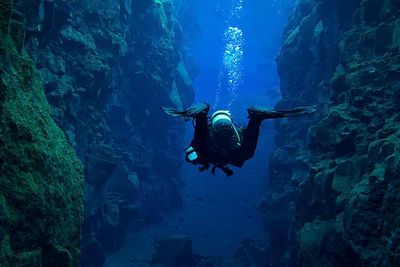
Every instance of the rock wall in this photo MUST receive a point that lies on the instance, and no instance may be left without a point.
(41, 179)
(107, 67)
(335, 177)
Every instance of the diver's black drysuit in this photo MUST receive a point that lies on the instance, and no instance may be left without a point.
(242, 143)
(241, 148)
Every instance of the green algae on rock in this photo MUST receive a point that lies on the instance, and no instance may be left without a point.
(106, 67)
(342, 209)
(41, 201)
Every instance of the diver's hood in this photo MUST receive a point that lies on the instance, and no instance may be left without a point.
(221, 119)
(223, 128)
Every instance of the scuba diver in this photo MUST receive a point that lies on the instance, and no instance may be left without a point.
(219, 141)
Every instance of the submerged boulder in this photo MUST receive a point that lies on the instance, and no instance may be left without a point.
(100, 165)
(174, 252)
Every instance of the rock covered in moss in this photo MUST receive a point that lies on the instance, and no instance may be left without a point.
(107, 66)
(335, 190)
(41, 201)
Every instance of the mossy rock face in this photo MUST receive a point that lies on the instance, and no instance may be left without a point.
(345, 194)
(41, 201)
(106, 67)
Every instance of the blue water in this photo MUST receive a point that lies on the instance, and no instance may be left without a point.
(219, 212)
(262, 25)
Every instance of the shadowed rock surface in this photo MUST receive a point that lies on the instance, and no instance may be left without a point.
(334, 190)
(106, 67)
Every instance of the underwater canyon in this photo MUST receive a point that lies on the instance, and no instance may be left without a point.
(90, 165)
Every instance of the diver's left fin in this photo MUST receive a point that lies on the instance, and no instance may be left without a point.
(175, 113)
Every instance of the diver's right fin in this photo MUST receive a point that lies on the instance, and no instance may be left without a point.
(265, 113)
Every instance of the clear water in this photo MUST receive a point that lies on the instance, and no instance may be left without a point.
(235, 57)
(236, 60)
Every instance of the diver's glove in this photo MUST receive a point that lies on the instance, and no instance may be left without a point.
(192, 112)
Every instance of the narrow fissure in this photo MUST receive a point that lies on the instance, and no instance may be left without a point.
(212, 133)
